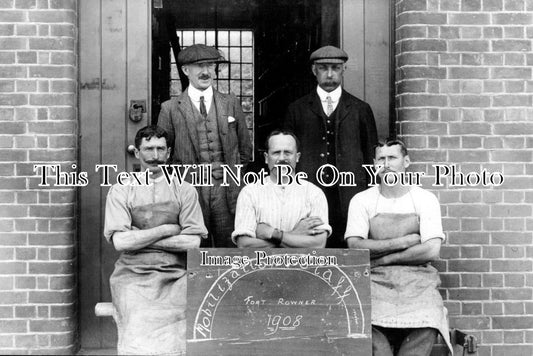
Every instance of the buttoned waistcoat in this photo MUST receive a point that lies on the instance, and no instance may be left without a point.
(178, 119)
(355, 137)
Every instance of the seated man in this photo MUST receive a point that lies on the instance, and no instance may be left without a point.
(401, 226)
(281, 215)
(153, 226)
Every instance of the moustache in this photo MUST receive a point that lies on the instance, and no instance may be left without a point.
(155, 162)
(204, 77)
(282, 167)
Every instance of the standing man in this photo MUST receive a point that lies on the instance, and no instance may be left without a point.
(334, 128)
(278, 213)
(401, 226)
(153, 226)
(208, 127)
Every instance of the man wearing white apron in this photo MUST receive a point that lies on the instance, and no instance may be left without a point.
(401, 226)
(153, 226)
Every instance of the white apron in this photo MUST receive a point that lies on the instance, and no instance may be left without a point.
(405, 296)
(149, 291)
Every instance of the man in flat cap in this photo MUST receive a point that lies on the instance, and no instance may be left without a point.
(336, 128)
(208, 127)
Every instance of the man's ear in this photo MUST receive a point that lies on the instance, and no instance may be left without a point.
(298, 157)
(136, 153)
(407, 161)
(313, 68)
(266, 157)
(185, 70)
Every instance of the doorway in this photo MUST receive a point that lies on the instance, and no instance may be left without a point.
(267, 44)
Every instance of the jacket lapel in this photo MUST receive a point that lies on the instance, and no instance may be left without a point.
(221, 104)
(187, 111)
(343, 109)
(315, 105)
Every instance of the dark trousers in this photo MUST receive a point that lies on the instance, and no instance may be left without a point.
(217, 217)
(402, 342)
(337, 220)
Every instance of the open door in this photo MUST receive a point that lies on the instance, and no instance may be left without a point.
(114, 78)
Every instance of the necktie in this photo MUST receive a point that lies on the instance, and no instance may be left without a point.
(330, 106)
(203, 111)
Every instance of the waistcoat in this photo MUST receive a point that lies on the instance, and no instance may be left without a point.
(207, 129)
(330, 135)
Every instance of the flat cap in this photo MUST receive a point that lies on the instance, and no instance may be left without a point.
(328, 54)
(199, 53)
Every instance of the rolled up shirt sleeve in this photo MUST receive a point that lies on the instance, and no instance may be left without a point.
(430, 218)
(245, 216)
(358, 220)
(117, 213)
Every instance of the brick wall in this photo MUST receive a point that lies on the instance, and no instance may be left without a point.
(464, 96)
(38, 124)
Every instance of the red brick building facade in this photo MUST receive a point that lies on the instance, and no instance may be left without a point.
(464, 96)
(38, 124)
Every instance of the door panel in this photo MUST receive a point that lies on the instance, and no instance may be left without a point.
(114, 67)
(138, 65)
(365, 36)
(90, 196)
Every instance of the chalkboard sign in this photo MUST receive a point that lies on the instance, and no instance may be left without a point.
(284, 301)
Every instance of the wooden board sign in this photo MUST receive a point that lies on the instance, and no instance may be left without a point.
(285, 301)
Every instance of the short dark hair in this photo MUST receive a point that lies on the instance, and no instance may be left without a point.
(392, 142)
(150, 131)
(282, 132)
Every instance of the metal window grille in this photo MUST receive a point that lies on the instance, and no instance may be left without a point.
(237, 77)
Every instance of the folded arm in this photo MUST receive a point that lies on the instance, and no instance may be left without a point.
(177, 243)
(133, 240)
(244, 241)
(192, 224)
(415, 255)
(380, 248)
(305, 234)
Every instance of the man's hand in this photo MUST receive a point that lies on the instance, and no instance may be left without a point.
(306, 226)
(306, 234)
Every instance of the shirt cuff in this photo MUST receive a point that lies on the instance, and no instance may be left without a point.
(242, 232)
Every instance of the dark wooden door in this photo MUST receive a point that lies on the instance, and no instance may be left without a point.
(114, 69)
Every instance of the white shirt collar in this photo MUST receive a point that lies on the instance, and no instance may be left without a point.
(335, 94)
(195, 94)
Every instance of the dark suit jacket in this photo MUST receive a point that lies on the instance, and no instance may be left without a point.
(355, 137)
(177, 118)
